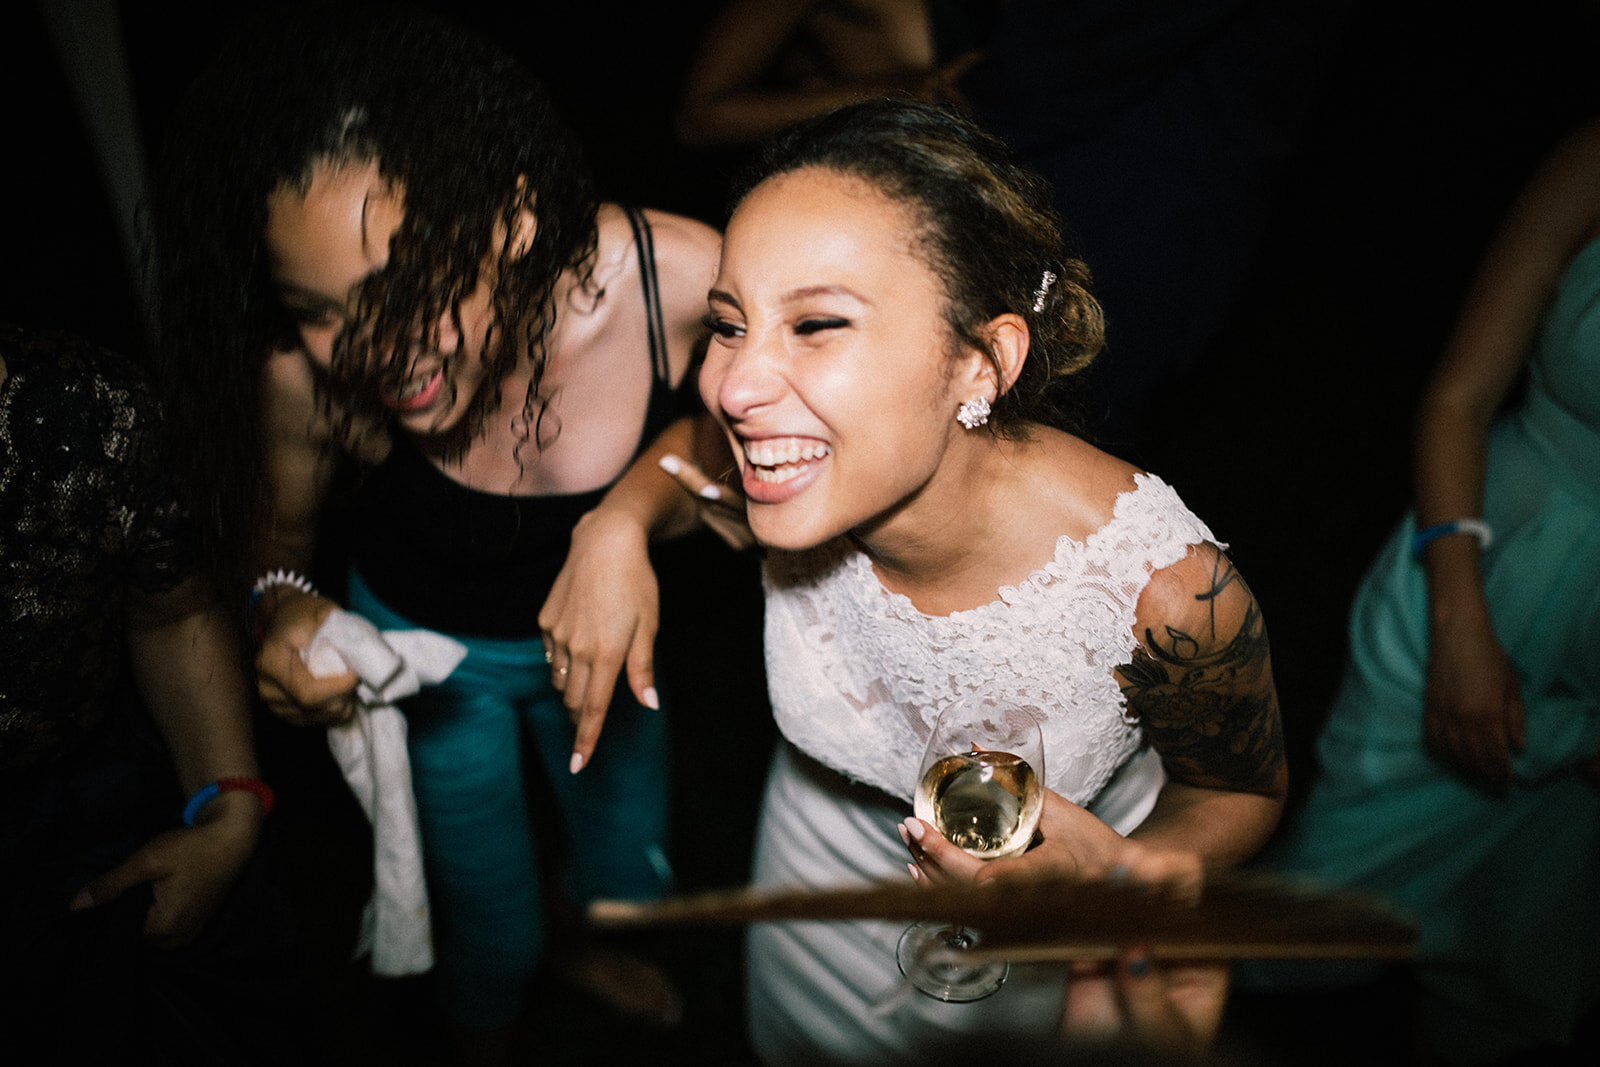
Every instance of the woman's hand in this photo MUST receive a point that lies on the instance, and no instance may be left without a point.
(1135, 998)
(1070, 843)
(285, 683)
(719, 507)
(1174, 1005)
(601, 617)
(189, 870)
(1473, 717)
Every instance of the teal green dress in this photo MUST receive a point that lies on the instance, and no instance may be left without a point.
(1505, 889)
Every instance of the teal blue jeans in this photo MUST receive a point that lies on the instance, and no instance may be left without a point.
(473, 741)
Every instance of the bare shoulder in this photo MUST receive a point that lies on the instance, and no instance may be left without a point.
(1202, 596)
(1082, 481)
(684, 243)
(687, 252)
(1563, 196)
(1200, 680)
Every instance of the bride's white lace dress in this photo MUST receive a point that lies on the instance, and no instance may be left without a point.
(857, 677)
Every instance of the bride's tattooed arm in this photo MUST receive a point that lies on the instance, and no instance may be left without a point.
(1200, 681)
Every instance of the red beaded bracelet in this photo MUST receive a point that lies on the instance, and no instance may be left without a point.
(207, 793)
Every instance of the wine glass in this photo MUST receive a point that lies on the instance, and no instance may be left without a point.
(980, 784)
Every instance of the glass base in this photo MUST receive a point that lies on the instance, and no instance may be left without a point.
(924, 955)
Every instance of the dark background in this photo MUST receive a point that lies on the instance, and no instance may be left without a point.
(1290, 437)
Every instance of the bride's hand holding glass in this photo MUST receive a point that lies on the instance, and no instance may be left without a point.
(1169, 1003)
(978, 791)
(1069, 842)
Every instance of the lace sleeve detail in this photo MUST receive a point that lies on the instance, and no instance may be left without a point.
(90, 511)
(857, 674)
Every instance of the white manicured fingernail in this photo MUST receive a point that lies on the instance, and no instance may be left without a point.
(914, 828)
(712, 492)
(652, 701)
(670, 464)
(916, 874)
(577, 762)
(904, 837)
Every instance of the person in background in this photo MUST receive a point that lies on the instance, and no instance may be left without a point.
(379, 249)
(132, 933)
(1459, 767)
(763, 64)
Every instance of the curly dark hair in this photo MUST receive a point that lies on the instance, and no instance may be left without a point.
(470, 137)
(989, 231)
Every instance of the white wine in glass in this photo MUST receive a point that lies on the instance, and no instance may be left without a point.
(986, 803)
(980, 784)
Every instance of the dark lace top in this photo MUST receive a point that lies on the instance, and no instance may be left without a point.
(87, 510)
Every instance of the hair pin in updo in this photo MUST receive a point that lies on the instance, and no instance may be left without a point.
(1045, 281)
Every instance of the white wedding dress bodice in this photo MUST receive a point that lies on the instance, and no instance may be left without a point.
(857, 676)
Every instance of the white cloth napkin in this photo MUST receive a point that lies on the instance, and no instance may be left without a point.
(370, 749)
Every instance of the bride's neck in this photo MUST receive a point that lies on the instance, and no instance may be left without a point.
(940, 549)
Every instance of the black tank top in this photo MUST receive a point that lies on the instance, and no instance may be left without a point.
(468, 562)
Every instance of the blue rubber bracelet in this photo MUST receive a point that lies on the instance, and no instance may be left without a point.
(202, 796)
(1476, 527)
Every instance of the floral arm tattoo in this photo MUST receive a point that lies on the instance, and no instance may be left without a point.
(1205, 696)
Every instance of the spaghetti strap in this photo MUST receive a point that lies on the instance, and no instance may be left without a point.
(645, 243)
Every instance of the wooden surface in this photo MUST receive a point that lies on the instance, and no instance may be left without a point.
(1058, 919)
